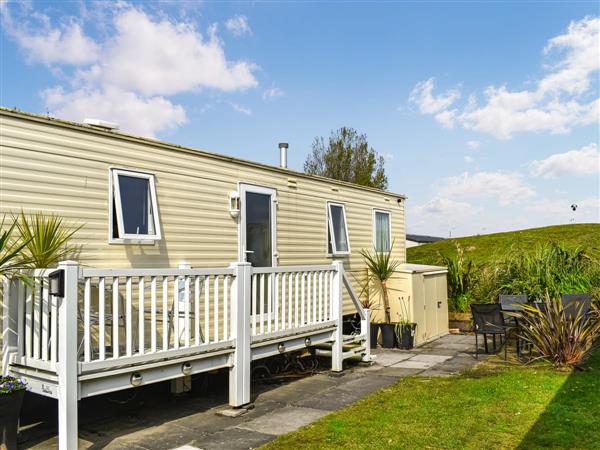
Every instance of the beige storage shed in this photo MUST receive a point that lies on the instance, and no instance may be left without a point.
(425, 293)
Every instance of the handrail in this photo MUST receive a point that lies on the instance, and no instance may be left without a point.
(288, 269)
(357, 304)
(87, 273)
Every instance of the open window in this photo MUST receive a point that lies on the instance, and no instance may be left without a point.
(382, 230)
(337, 230)
(134, 209)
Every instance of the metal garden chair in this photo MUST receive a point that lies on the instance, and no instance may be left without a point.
(488, 319)
(574, 304)
(514, 304)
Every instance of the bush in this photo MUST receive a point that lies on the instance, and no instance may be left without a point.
(563, 341)
(550, 268)
(460, 278)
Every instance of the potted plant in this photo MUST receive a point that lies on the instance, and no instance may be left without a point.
(405, 329)
(381, 267)
(12, 391)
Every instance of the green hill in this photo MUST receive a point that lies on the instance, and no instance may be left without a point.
(484, 248)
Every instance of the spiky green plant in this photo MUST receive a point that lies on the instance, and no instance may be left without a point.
(46, 239)
(563, 340)
(551, 268)
(381, 267)
(460, 278)
(11, 249)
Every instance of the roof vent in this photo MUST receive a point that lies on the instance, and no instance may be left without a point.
(283, 146)
(101, 124)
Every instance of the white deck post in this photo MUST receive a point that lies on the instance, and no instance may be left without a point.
(181, 385)
(365, 330)
(67, 358)
(337, 349)
(239, 373)
(10, 330)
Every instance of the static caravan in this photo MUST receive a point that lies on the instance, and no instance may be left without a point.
(172, 242)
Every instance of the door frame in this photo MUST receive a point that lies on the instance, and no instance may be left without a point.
(244, 187)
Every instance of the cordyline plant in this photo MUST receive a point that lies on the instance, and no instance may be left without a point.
(11, 249)
(46, 239)
(364, 293)
(8, 385)
(563, 340)
(381, 267)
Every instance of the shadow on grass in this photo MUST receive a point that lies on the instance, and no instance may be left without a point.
(570, 420)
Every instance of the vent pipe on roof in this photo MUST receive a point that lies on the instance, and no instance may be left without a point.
(283, 147)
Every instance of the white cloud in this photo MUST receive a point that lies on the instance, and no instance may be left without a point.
(272, 93)
(136, 114)
(473, 144)
(422, 96)
(469, 159)
(238, 26)
(42, 43)
(556, 104)
(506, 187)
(164, 57)
(387, 156)
(579, 162)
(125, 76)
(241, 109)
(440, 215)
(558, 210)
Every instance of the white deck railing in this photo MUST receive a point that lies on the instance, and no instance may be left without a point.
(118, 328)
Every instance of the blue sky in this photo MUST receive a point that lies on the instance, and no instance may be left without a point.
(486, 113)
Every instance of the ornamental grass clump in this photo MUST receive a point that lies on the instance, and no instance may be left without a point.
(552, 268)
(461, 277)
(561, 338)
(9, 385)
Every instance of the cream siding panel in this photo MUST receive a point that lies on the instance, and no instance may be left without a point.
(53, 168)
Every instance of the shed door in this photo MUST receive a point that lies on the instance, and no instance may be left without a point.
(442, 304)
(258, 225)
(430, 306)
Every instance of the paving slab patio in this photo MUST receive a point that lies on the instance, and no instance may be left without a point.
(191, 422)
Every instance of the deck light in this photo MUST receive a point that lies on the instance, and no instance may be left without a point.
(234, 204)
(281, 348)
(307, 342)
(186, 368)
(136, 379)
(57, 283)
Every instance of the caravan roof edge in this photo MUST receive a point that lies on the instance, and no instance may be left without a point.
(148, 141)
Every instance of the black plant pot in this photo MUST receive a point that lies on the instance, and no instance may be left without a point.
(387, 335)
(374, 332)
(406, 339)
(10, 410)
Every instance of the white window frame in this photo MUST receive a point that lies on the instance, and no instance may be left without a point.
(389, 214)
(115, 205)
(330, 232)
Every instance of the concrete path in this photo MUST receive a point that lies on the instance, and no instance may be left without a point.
(193, 423)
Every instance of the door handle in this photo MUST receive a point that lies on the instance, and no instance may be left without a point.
(248, 251)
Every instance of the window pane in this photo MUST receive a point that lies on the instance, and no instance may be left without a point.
(136, 205)
(339, 228)
(258, 229)
(382, 232)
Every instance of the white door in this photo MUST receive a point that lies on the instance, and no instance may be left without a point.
(258, 225)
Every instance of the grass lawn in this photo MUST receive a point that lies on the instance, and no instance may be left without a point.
(482, 249)
(496, 405)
